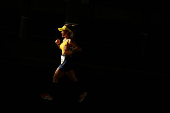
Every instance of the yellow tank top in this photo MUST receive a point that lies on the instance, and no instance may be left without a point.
(63, 44)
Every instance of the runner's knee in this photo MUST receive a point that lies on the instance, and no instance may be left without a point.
(58, 74)
(74, 79)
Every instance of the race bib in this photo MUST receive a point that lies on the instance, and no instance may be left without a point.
(62, 59)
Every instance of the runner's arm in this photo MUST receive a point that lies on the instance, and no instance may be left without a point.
(58, 43)
(76, 47)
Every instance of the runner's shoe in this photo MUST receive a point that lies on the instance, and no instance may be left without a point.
(82, 96)
(47, 96)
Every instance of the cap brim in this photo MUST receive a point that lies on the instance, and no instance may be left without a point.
(60, 29)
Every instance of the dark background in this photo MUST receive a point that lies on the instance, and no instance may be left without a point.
(124, 58)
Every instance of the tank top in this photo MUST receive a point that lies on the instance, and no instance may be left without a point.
(63, 44)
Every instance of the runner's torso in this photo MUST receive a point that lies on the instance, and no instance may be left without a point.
(62, 46)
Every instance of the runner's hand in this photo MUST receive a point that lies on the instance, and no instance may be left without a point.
(57, 41)
(67, 48)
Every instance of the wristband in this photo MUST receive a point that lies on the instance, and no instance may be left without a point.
(72, 49)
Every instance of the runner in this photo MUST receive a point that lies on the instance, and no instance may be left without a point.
(68, 47)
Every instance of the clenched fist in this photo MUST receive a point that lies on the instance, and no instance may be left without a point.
(57, 41)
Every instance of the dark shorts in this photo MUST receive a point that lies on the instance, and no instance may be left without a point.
(67, 64)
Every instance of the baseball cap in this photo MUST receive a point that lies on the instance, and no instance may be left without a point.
(64, 28)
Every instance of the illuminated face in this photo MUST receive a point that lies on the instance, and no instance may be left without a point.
(64, 33)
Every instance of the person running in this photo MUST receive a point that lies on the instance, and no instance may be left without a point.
(68, 47)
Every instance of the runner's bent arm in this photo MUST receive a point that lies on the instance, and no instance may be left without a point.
(75, 45)
(58, 43)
